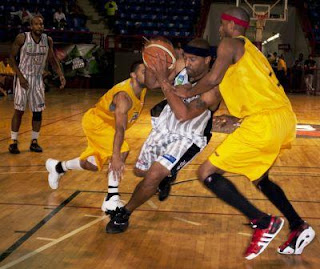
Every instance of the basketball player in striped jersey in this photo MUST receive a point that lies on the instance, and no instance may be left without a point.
(251, 92)
(105, 126)
(181, 131)
(33, 49)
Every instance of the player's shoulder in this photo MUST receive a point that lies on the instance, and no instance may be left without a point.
(20, 38)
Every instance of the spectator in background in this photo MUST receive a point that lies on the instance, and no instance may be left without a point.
(297, 72)
(282, 71)
(36, 12)
(59, 19)
(309, 70)
(111, 9)
(274, 62)
(24, 16)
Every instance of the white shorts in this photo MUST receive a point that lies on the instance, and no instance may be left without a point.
(173, 151)
(34, 95)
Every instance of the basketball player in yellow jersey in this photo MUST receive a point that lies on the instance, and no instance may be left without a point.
(105, 126)
(251, 92)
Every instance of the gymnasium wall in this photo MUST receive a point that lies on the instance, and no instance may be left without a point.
(290, 33)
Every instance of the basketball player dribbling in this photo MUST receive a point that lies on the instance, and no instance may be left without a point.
(105, 126)
(33, 49)
(179, 133)
(251, 92)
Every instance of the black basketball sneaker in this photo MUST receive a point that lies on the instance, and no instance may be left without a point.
(34, 146)
(119, 221)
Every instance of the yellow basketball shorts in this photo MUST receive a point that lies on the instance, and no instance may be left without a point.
(253, 148)
(100, 136)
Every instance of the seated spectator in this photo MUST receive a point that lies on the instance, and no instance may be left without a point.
(24, 16)
(36, 12)
(77, 14)
(111, 9)
(59, 19)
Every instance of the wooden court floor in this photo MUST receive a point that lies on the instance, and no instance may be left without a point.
(42, 228)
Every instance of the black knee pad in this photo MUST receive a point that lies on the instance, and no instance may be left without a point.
(263, 181)
(215, 181)
(37, 116)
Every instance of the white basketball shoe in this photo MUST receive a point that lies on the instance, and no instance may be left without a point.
(110, 205)
(54, 176)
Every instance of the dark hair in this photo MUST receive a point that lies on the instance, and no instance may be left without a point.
(135, 66)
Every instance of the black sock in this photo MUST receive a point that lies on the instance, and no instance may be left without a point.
(227, 192)
(59, 168)
(276, 195)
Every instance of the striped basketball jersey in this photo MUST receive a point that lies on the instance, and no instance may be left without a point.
(33, 55)
(105, 107)
(198, 129)
(250, 86)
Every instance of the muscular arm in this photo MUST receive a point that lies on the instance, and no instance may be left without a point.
(55, 63)
(225, 57)
(186, 111)
(122, 103)
(16, 46)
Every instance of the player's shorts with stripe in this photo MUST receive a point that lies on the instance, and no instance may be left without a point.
(173, 151)
(100, 138)
(34, 95)
(253, 148)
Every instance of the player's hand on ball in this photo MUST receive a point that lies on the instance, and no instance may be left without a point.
(159, 67)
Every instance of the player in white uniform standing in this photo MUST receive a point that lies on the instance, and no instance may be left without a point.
(33, 49)
(180, 132)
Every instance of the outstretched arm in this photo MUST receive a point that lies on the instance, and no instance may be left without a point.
(17, 44)
(55, 63)
(122, 105)
(225, 57)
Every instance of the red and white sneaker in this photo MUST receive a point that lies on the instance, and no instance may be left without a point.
(261, 238)
(298, 240)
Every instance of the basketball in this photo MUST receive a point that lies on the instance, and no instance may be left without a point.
(158, 46)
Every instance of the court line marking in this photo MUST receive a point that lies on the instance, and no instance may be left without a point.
(152, 204)
(54, 242)
(33, 230)
(45, 239)
(188, 221)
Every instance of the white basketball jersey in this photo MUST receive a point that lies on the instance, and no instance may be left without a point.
(197, 128)
(33, 56)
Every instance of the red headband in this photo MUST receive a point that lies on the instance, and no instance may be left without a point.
(227, 17)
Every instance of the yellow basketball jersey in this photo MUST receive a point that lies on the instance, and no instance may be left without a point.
(250, 86)
(105, 108)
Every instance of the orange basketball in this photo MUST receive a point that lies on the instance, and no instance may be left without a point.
(158, 46)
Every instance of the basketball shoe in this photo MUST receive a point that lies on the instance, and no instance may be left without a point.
(164, 187)
(119, 222)
(261, 238)
(110, 205)
(34, 146)
(13, 148)
(298, 239)
(54, 176)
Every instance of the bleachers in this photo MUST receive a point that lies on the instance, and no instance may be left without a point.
(156, 17)
(313, 12)
(46, 7)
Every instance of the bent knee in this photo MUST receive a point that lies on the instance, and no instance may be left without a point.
(207, 169)
(139, 173)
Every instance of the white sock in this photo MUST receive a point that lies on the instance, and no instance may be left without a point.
(14, 135)
(73, 164)
(35, 135)
(113, 184)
